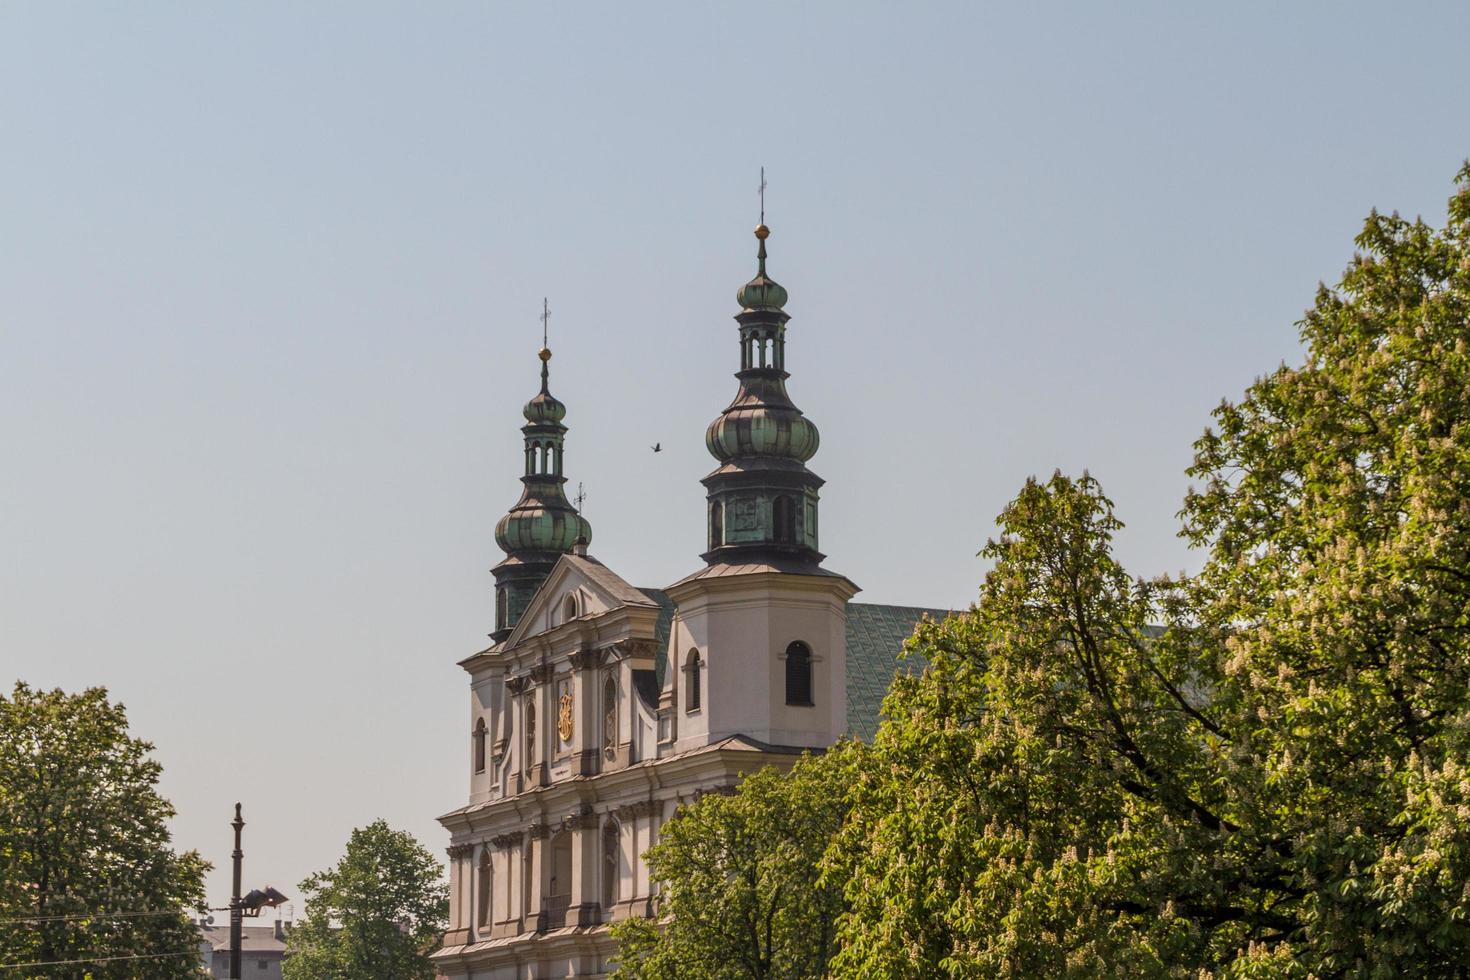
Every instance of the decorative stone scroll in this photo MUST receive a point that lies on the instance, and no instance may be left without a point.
(643, 808)
(456, 851)
(538, 831)
(515, 685)
(581, 821)
(503, 841)
(542, 673)
(635, 649)
(586, 659)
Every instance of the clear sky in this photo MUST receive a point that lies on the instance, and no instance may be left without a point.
(270, 276)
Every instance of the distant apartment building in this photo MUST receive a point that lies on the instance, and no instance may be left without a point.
(262, 950)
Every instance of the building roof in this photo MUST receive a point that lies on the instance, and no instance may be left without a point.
(253, 939)
(661, 633)
(875, 635)
(609, 580)
(726, 569)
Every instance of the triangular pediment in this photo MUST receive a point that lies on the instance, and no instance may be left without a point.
(579, 588)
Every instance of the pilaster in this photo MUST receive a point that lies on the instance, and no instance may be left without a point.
(535, 913)
(586, 908)
(509, 869)
(586, 699)
(458, 933)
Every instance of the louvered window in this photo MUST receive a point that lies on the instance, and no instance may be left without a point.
(798, 674)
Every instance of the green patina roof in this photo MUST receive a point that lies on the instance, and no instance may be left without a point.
(875, 636)
(661, 630)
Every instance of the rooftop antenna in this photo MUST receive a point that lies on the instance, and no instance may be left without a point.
(762, 192)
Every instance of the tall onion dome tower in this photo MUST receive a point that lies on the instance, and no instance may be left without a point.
(543, 525)
(762, 498)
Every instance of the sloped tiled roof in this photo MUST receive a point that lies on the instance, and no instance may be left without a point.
(661, 632)
(253, 939)
(607, 579)
(722, 570)
(875, 635)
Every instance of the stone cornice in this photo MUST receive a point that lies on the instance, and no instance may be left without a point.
(636, 649)
(759, 586)
(642, 808)
(586, 659)
(582, 821)
(659, 777)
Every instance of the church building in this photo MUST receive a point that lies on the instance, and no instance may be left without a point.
(600, 706)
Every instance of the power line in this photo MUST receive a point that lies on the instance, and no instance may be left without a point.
(96, 959)
(89, 915)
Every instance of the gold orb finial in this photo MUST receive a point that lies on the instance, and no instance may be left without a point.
(544, 354)
(762, 232)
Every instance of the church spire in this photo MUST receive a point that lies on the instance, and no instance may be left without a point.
(762, 498)
(543, 524)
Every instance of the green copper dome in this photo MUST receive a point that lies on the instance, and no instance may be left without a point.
(763, 500)
(762, 430)
(543, 525)
(545, 408)
(531, 525)
(762, 292)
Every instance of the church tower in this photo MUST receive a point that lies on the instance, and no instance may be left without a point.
(759, 638)
(543, 525)
(762, 498)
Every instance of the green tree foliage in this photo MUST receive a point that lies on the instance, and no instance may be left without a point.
(86, 870)
(1272, 784)
(742, 897)
(376, 915)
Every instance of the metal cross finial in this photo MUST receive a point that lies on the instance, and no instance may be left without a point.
(545, 319)
(762, 192)
(581, 496)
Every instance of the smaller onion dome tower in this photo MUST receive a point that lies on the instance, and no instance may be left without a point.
(543, 525)
(762, 498)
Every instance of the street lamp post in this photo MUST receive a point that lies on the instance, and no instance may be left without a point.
(236, 912)
(251, 904)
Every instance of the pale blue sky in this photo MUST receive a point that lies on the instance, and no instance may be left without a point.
(270, 274)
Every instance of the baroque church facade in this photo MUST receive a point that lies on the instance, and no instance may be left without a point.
(600, 707)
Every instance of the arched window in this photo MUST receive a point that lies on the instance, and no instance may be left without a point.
(716, 524)
(480, 745)
(610, 718)
(798, 674)
(569, 608)
(784, 511)
(530, 731)
(610, 883)
(484, 889)
(691, 681)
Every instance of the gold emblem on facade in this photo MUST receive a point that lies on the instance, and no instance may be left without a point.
(564, 717)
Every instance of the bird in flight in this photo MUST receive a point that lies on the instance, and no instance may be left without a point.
(657, 447)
